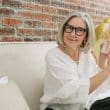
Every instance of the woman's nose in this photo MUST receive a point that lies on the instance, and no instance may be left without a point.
(73, 33)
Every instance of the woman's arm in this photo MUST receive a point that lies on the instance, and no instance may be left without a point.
(104, 64)
(104, 51)
(109, 56)
(103, 60)
(63, 83)
(99, 78)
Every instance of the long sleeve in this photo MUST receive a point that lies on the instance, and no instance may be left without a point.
(62, 83)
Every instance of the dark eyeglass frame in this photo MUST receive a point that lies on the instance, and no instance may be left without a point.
(77, 29)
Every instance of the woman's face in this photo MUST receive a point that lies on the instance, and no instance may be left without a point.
(75, 32)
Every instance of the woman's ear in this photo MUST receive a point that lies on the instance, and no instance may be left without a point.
(83, 43)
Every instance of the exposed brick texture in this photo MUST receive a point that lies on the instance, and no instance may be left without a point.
(12, 3)
(0, 1)
(6, 12)
(12, 22)
(38, 20)
(10, 39)
(7, 31)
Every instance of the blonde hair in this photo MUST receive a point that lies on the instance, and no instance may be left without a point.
(90, 34)
(101, 31)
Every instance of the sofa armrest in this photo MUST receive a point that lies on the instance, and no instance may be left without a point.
(11, 97)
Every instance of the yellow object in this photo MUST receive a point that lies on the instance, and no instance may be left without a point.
(107, 20)
(101, 31)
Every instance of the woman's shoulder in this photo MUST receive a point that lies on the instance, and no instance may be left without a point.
(91, 56)
(55, 55)
(54, 52)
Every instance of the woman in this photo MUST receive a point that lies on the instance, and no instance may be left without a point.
(71, 70)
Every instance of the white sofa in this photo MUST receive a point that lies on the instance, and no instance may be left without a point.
(24, 65)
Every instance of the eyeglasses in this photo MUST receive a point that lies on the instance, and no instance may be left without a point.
(79, 31)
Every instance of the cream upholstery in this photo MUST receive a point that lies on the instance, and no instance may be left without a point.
(24, 63)
(11, 97)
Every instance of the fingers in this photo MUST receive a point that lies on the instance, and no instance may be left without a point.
(105, 47)
(108, 54)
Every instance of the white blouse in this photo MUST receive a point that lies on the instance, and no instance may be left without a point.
(66, 84)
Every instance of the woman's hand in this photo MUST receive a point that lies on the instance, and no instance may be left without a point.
(108, 57)
(105, 47)
(104, 58)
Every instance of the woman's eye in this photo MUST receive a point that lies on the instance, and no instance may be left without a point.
(80, 30)
(69, 27)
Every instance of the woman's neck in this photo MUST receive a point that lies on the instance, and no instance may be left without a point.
(73, 53)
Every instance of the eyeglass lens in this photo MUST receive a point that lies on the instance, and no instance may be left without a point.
(78, 30)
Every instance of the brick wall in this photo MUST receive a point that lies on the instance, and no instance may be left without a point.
(38, 20)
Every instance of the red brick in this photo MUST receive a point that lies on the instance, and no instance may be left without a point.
(42, 32)
(54, 34)
(56, 3)
(107, 8)
(100, 18)
(44, 17)
(7, 31)
(38, 20)
(32, 24)
(49, 9)
(46, 2)
(7, 11)
(56, 18)
(26, 14)
(81, 8)
(32, 39)
(38, 16)
(25, 32)
(32, 6)
(10, 39)
(50, 25)
(1, 21)
(0, 1)
(106, 13)
(12, 3)
(63, 12)
(93, 5)
(27, 39)
(74, 1)
(85, 3)
(91, 11)
(12, 22)
(104, 2)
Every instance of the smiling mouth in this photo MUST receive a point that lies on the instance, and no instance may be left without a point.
(73, 39)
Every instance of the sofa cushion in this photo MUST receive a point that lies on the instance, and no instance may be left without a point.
(24, 63)
(11, 97)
